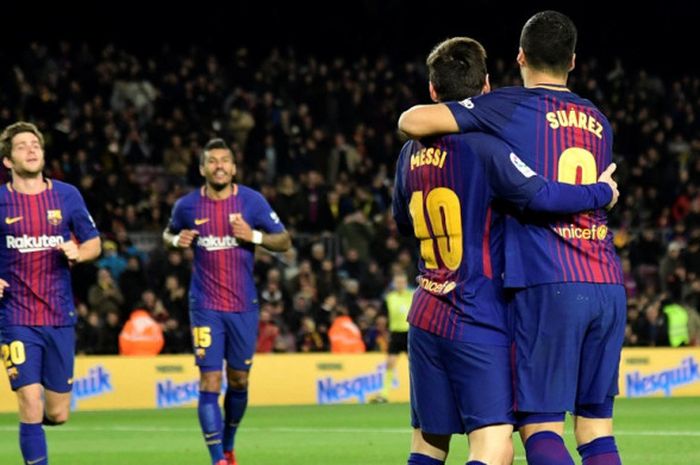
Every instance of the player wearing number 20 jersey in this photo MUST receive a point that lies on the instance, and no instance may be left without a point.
(44, 228)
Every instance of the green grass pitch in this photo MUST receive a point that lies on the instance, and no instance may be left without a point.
(650, 432)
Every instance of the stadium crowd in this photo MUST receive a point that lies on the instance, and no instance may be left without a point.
(317, 136)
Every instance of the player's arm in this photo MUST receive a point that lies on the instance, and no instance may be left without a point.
(514, 181)
(175, 235)
(427, 120)
(557, 197)
(275, 242)
(3, 284)
(83, 252)
(181, 239)
(399, 200)
(488, 113)
(89, 245)
(268, 231)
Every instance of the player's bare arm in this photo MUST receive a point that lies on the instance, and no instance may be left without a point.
(277, 242)
(3, 284)
(427, 120)
(85, 252)
(606, 177)
(181, 240)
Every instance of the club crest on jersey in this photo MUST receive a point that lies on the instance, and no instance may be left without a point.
(54, 217)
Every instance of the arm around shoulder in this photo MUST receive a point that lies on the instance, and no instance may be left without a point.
(427, 120)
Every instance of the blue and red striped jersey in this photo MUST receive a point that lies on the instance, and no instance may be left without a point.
(442, 195)
(32, 226)
(222, 277)
(565, 138)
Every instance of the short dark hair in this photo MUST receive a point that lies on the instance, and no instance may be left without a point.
(457, 68)
(11, 131)
(217, 143)
(548, 40)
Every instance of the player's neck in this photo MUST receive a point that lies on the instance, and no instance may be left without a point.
(28, 185)
(223, 194)
(534, 78)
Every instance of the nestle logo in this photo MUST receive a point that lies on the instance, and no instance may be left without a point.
(171, 394)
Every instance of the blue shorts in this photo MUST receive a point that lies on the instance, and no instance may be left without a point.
(568, 338)
(224, 335)
(39, 354)
(458, 387)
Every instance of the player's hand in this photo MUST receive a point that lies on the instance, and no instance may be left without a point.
(3, 285)
(186, 237)
(70, 250)
(241, 229)
(606, 177)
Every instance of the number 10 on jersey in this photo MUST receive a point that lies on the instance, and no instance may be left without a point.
(445, 221)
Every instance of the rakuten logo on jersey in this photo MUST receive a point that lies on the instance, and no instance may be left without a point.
(28, 244)
(211, 243)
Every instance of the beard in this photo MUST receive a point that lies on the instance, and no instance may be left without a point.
(218, 187)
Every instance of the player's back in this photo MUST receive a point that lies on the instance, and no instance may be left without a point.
(564, 138)
(443, 197)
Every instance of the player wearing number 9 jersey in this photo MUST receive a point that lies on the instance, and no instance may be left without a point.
(444, 190)
(570, 305)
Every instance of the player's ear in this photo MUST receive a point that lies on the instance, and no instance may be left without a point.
(433, 92)
(487, 85)
(573, 63)
(521, 58)
(7, 163)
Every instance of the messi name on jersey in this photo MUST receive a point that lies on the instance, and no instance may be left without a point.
(430, 156)
(27, 244)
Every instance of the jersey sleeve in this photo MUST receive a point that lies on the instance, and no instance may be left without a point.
(513, 180)
(265, 217)
(558, 197)
(399, 201)
(489, 112)
(177, 217)
(509, 177)
(82, 224)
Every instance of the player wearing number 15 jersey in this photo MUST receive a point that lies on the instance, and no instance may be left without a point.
(459, 331)
(38, 220)
(570, 305)
(224, 221)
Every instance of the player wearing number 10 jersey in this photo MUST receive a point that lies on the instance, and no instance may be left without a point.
(459, 330)
(570, 305)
